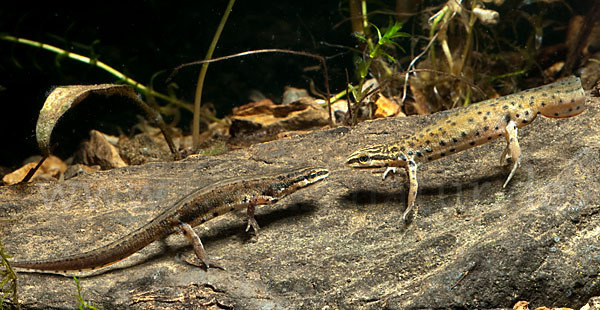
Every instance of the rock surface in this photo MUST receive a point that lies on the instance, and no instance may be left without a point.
(340, 244)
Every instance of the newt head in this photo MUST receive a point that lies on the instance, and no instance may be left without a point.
(375, 156)
(293, 181)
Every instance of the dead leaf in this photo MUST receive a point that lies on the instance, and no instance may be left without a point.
(52, 166)
(521, 305)
(300, 114)
(65, 97)
(252, 108)
(385, 107)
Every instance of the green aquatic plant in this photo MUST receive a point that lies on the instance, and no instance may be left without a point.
(8, 281)
(61, 108)
(376, 57)
(82, 304)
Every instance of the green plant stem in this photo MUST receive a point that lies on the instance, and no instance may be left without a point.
(153, 115)
(82, 304)
(467, 50)
(506, 75)
(364, 13)
(202, 76)
(432, 31)
(594, 60)
(103, 66)
(339, 95)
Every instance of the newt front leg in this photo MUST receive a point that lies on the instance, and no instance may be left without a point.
(512, 147)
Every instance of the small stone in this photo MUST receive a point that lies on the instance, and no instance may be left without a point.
(98, 151)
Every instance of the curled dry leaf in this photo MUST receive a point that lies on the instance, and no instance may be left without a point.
(263, 120)
(340, 110)
(554, 69)
(301, 114)
(51, 167)
(64, 98)
(487, 17)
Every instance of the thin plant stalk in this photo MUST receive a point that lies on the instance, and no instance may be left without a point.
(467, 51)
(154, 116)
(99, 64)
(469, 40)
(202, 76)
(363, 8)
(356, 18)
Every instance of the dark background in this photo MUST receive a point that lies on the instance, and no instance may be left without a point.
(143, 39)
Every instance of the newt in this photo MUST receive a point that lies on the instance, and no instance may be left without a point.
(472, 126)
(196, 208)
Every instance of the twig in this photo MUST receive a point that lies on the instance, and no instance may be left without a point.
(32, 171)
(584, 32)
(153, 114)
(261, 51)
(348, 96)
(412, 63)
(444, 73)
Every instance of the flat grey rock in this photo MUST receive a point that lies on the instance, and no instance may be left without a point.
(340, 244)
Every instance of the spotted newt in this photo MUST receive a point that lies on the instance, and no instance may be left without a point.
(472, 126)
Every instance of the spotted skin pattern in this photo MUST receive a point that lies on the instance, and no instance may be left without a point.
(472, 126)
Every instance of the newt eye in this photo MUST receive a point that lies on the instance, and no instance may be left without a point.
(363, 159)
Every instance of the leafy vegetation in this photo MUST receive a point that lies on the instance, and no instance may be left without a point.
(81, 303)
(376, 52)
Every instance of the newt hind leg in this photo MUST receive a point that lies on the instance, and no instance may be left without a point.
(193, 238)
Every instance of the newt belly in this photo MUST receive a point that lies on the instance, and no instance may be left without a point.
(472, 126)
